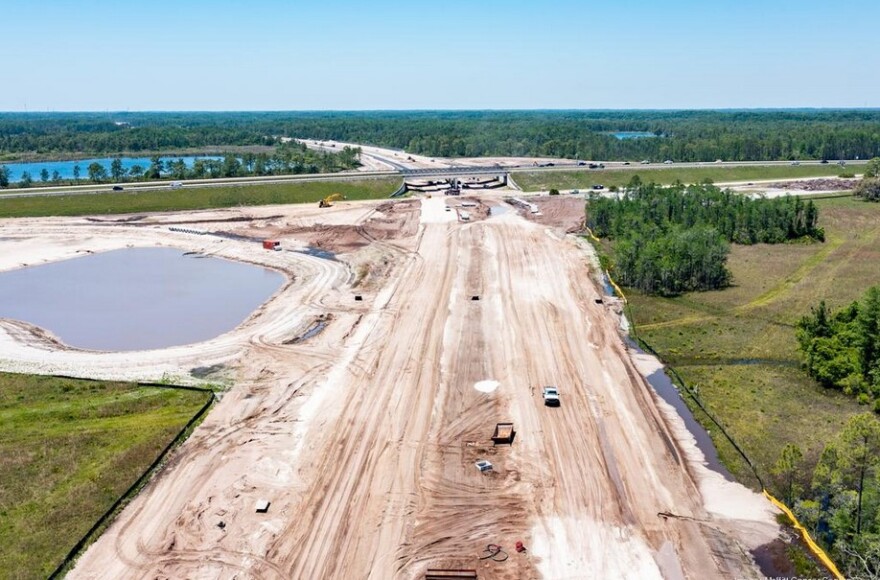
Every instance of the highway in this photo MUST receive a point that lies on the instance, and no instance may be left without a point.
(400, 170)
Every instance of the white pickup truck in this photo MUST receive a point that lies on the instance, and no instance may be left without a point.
(551, 396)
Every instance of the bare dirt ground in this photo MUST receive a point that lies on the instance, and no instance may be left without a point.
(816, 185)
(364, 437)
(802, 186)
(566, 213)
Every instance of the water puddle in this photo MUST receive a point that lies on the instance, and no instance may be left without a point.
(498, 210)
(314, 330)
(136, 298)
(606, 285)
(205, 372)
(318, 253)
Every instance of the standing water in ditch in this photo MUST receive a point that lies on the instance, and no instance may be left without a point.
(665, 388)
(136, 298)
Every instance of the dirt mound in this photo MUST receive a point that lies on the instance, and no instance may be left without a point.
(566, 213)
(830, 184)
(391, 221)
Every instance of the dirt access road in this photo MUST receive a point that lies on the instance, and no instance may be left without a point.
(364, 437)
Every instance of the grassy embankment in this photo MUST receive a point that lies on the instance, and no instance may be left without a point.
(193, 198)
(544, 180)
(738, 347)
(68, 450)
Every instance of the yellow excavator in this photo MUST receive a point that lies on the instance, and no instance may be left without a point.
(328, 201)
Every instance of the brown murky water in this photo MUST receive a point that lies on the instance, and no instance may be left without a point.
(137, 298)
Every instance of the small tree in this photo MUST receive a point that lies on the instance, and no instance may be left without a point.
(97, 172)
(4, 176)
(26, 179)
(177, 169)
(859, 455)
(76, 172)
(787, 469)
(117, 170)
(157, 166)
(44, 175)
(56, 176)
(232, 166)
(136, 171)
(872, 169)
(554, 191)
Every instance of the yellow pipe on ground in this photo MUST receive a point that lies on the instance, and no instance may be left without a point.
(814, 547)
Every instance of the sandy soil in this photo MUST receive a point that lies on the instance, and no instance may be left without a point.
(364, 437)
(558, 211)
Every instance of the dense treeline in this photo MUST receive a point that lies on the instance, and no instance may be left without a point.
(669, 240)
(288, 159)
(838, 499)
(680, 135)
(842, 351)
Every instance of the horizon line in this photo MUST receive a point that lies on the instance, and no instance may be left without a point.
(441, 110)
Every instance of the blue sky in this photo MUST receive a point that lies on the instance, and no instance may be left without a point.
(91, 55)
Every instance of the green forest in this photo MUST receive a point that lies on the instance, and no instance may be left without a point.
(839, 500)
(290, 158)
(678, 135)
(842, 350)
(669, 240)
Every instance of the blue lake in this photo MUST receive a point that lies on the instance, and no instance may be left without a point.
(136, 298)
(633, 135)
(65, 168)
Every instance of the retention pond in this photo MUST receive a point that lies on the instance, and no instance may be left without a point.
(136, 298)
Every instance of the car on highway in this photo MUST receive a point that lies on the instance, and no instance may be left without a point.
(575, 191)
(824, 162)
(795, 163)
(668, 162)
(646, 161)
(117, 188)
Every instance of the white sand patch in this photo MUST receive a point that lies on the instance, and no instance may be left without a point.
(567, 547)
(645, 363)
(487, 386)
(434, 211)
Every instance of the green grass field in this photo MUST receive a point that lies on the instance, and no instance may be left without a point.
(191, 198)
(544, 180)
(68, 450)
(738, 345)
